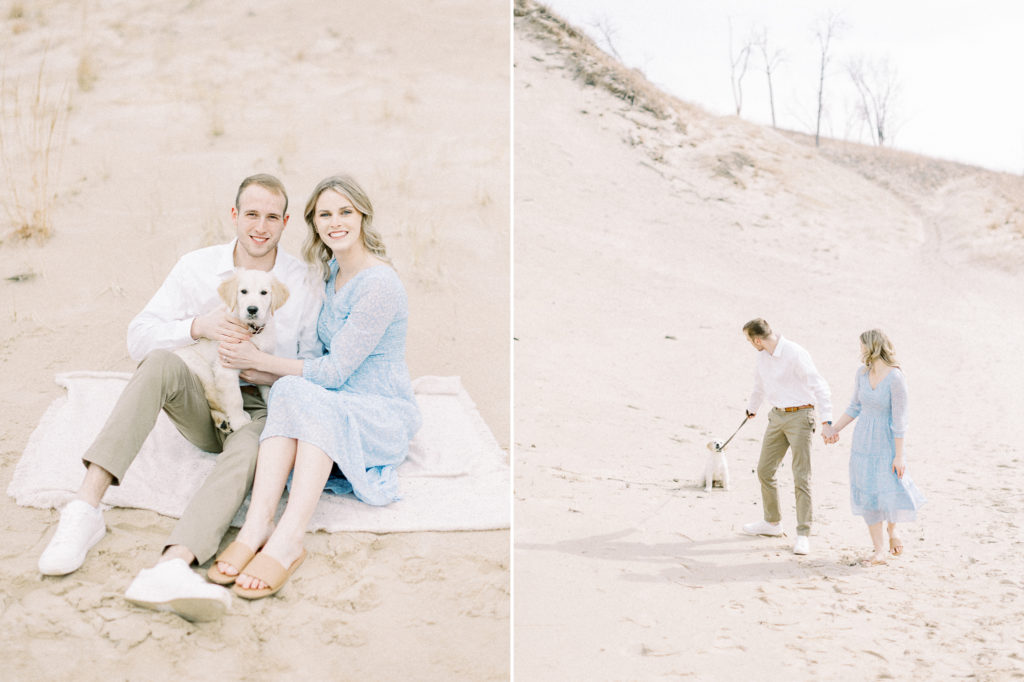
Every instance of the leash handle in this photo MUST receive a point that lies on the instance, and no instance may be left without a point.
(745, 420)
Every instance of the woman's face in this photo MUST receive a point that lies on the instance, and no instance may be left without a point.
(338, 222)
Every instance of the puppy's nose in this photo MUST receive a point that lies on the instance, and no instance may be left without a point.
(252, 310)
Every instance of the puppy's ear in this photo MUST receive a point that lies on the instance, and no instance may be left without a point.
(228, 291)
(278, 294)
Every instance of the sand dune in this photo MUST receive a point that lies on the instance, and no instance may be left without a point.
(171, 105)
(647, 232)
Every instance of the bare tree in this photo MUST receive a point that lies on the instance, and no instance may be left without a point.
(739, 61)
(608, 31)
(878, 86)
(827, 28)
(771, 57)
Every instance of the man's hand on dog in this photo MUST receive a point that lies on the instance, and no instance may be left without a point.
(218, 325)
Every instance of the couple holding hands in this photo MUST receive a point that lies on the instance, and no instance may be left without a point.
(339, 416)
(880, 489)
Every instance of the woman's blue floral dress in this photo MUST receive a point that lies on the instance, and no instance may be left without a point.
(355, 402)
(876, 492)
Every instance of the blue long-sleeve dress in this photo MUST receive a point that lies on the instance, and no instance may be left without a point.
(876, 492)
(356, 401)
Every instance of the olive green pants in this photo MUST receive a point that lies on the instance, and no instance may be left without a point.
(163, 382)
(787, 431)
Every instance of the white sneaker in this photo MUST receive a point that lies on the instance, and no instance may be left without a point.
(762, 528)
(81, 526)
(802, 546)
(173, 586)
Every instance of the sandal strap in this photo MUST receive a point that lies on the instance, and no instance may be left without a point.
(236, 555)
(267, 570)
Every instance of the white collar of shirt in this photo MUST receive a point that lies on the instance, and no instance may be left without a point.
(777, 353)
(226, 260)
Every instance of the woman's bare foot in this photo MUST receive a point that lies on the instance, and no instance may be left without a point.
(282, 550)
(250, 536)
(895, 544)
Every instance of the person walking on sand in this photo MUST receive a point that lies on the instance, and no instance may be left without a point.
(880, 489)
(785, 376)
(184, 309)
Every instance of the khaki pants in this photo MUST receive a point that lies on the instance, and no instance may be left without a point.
(162, 381)
(787, 430)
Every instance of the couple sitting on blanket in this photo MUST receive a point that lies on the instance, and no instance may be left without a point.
(340, 414)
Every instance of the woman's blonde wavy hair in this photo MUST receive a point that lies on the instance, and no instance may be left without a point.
(318, 254)
(877, 346)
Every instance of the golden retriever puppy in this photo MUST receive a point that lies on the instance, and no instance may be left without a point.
(252, 296)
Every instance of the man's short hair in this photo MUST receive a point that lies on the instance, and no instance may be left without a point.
(757, 328)
(266, 181)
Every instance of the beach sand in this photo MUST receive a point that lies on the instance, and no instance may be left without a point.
(643, 242)
(167, 107)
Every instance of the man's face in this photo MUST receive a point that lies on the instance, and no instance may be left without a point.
(259, 220)
(756, 342)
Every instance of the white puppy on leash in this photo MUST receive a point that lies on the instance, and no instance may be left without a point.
(717, 469)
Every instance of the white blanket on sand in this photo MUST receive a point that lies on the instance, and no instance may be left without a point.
(456, 476)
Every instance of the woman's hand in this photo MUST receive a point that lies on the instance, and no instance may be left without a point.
(258, 378)
(240, 355)
(899, 466)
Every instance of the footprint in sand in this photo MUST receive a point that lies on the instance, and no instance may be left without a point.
(418, 569)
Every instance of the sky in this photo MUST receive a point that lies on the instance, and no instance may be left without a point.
(958, 65)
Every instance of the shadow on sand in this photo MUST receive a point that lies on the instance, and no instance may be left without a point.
(693, 562)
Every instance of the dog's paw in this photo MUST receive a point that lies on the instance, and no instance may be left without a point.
(239, 421)
(220, 421)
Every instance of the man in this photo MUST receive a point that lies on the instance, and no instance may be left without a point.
(787, 378)
(187, 308)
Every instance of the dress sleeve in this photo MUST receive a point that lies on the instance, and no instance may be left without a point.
(898, 390)
(853, 410)
(375, 307)
(166, 321)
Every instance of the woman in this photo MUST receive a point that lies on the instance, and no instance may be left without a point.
(880, 490)
(351, 410)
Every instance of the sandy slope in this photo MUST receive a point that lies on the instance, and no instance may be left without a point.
(185, 100)
(641, 247)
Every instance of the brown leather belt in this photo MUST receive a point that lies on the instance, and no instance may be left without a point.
(797, 409)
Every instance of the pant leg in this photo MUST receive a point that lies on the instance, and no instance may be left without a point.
(161, 381)
(209, 513)
(773, 449)
(800, 430)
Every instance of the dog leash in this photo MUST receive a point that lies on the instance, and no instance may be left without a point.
(661, 506)
(745, 420)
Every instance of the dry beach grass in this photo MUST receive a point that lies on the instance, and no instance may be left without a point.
(170, 106)
(644, 239)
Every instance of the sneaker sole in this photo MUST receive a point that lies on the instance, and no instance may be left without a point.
(79, 559)
(195, 609)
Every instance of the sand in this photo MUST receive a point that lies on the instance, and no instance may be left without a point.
(646, 232)
(642, 244)
(168, 107)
